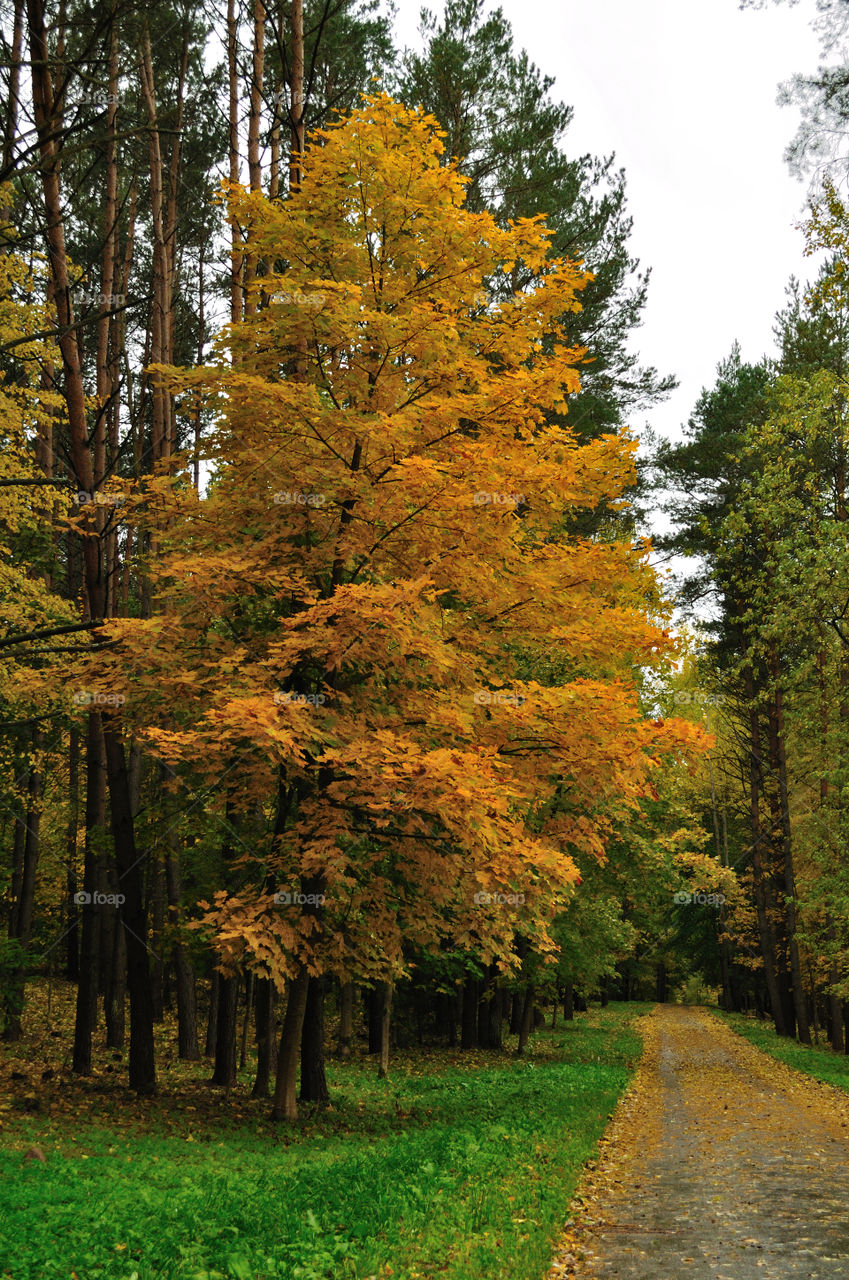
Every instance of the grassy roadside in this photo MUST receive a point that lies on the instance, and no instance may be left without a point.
(447, 1170)
(822, 1063)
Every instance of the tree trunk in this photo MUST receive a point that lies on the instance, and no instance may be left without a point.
(451, 1007)
(285, 1105)
(482, 1029)
(27, 846)
(18, 840)
(759, 877)
(469, 1026)
(778, 759)
(373, 1002)
(95, 820)
(187, 1014)
(264, 1003)
(346, 1019)
(516, 1006)
(296, 101)
(527, 1019)
(724, 957)
(157, 925)
(72, 936)
(142, 1062)
(130, 868)
(660, 983)
(569, 1002)
(835, 1004)
(246, 1021)
(116, 991)
(236, 256)
(160, 302)
(212, 1017)
(109, 926)
(254, 122)
(496, 1017)
(489, 1012)
(224, 1073)
(10, 131)
(313, 1078)
(445, 1016)
(385, 1015)
(24, 905)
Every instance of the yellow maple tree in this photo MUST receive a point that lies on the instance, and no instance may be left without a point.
(357, 610)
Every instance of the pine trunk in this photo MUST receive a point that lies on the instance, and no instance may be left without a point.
(142, 1063)
(759, 874)
(95, 820)
(778, 760)
(72, 935)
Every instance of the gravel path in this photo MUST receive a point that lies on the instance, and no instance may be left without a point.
(721, 1164)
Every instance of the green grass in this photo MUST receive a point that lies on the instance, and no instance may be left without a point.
(442, 1170)
(821, 1063)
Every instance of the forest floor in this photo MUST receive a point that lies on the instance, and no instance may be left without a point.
(459, 1166)
(722, 1163)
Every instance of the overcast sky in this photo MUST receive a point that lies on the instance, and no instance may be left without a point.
(684, 91)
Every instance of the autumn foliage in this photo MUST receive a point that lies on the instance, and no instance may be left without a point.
(378, 637)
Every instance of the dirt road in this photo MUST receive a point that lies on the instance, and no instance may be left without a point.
(721, 1164)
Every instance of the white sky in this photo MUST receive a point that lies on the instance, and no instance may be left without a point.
(684, 91)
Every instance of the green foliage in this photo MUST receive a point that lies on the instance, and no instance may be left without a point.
(702, 477)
